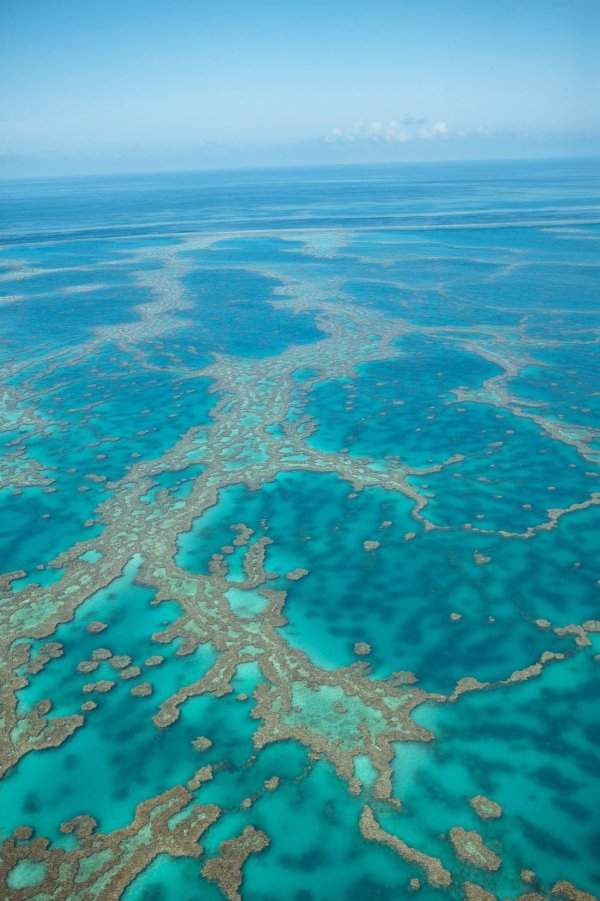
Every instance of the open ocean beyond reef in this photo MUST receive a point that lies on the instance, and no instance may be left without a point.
(299, 534)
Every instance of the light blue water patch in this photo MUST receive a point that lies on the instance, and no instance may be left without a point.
(59, 320)
(518, 245)
(304, 374)
(246, 603)
(510, 481)
(41, 575)
(67, 252)
(112, 400)
(289, 257)
(35, 526)
(399, 597)
(542, 286)
(387, 297)
(119, 757)
(101, 419)
(213, 529)
(256, 250)
(178, 484)
(9, 438)
(91, 556)
(26, 874)
(233, 314)
(285, 761)
(313, 825)
(37, 285)
(566, 382)
(477, 275)
(429, 291)
(544, 731)
(551, 575)
(174, 353)
(172, 877)
(399, 407)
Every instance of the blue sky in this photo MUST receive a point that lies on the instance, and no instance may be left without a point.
(142, 85)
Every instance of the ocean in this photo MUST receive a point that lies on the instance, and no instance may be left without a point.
(299, 534)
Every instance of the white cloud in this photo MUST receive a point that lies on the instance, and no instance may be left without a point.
(431, 132)
(480, 131)
(399, 131)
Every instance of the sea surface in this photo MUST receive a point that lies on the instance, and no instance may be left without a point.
(299, 534)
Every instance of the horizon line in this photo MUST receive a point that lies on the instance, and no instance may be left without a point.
(301, 166)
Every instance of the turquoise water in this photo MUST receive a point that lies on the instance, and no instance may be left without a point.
(299, 517)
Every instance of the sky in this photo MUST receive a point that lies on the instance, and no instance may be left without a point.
(150, 85)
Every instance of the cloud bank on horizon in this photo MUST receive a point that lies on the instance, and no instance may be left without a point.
(402, 131)
(146, 85)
